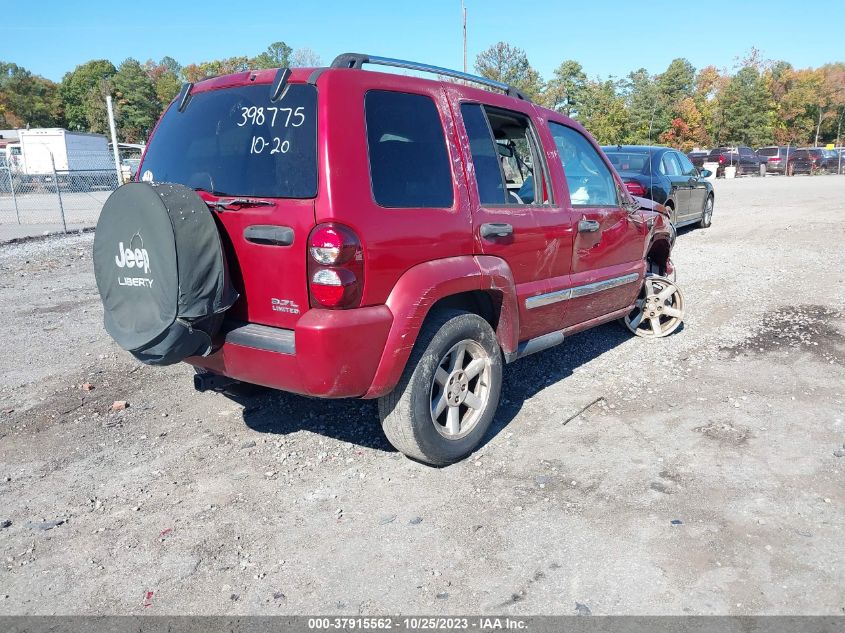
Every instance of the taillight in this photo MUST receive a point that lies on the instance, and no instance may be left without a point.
(774, 159)
(335, 267)
(721, 158)
(635, 188)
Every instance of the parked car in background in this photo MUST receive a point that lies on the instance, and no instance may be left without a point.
(666, 176)
(698, 157)
(743, 158)
(806, 160)
(775, 157)
(829, 159)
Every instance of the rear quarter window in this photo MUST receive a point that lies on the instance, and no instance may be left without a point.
(409, 163)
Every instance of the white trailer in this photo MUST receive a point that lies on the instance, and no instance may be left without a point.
(78, 158)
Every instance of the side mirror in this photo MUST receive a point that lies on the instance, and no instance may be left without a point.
(705, 173)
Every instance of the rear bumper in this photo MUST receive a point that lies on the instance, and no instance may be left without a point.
(330, 354)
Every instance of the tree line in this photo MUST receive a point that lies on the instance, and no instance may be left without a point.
(140, 91)
(762, 102)
(759, 102)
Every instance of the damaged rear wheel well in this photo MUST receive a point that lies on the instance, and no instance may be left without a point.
(487, 305)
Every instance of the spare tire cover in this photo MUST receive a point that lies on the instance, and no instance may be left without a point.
(161, 271)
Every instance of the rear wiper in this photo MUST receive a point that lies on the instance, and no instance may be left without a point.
(220, 205)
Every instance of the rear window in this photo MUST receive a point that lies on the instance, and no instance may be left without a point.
(629, 161)
(235, 141)
(768, 151)
(409, 165)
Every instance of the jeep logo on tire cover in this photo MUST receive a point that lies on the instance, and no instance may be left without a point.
(133, 258)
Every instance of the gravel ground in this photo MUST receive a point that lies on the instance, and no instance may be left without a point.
(702, 480)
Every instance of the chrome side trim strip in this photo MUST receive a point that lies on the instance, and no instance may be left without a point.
(607, 284)
(548, 298)
(579, 291)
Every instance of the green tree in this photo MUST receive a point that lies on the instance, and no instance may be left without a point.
(277, 55)
(137, 103)
(213, 68)
(677, 82)
(95, 109)
(640, 93)
(602, 111)
(165, 76)
(27, 99)
(80, 87)
(565, 90)
(509, 64)
(746, 107)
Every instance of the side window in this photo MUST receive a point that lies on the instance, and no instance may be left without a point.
(505, 156)
(670, 165)
(409, 164)
(687, 168)
(590, 182)
(485, 156)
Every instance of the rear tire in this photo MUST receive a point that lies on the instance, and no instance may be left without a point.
(449, 391)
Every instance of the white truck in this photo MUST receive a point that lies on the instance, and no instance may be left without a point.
(77, 159)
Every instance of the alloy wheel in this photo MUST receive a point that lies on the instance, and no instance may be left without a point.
(659, 310)
(708, 211)
(460, 390)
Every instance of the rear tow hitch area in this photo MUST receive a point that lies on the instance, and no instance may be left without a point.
(207, 381)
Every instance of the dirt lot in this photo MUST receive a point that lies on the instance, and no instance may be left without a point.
(704, 480)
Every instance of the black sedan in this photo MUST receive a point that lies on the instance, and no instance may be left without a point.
(666, 176)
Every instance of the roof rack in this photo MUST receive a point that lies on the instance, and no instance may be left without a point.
(357, 60)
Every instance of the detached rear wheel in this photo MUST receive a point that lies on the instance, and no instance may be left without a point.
(449, 392)
(659, 310)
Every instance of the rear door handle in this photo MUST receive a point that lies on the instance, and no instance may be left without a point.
(492, 230)
(588, 226)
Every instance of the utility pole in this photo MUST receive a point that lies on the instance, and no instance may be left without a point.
(114, 140)
(464, 15)
(839, 142)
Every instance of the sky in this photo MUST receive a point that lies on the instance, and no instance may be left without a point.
(51, 37)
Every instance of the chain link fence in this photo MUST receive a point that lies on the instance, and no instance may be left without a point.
(47, 194)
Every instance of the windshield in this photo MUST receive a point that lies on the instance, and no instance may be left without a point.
(236, 142)
(629, 161)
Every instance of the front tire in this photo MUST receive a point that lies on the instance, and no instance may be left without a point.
(449, 391)
(659, 309)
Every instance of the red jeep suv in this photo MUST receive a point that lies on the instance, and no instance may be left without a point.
(341, 232)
